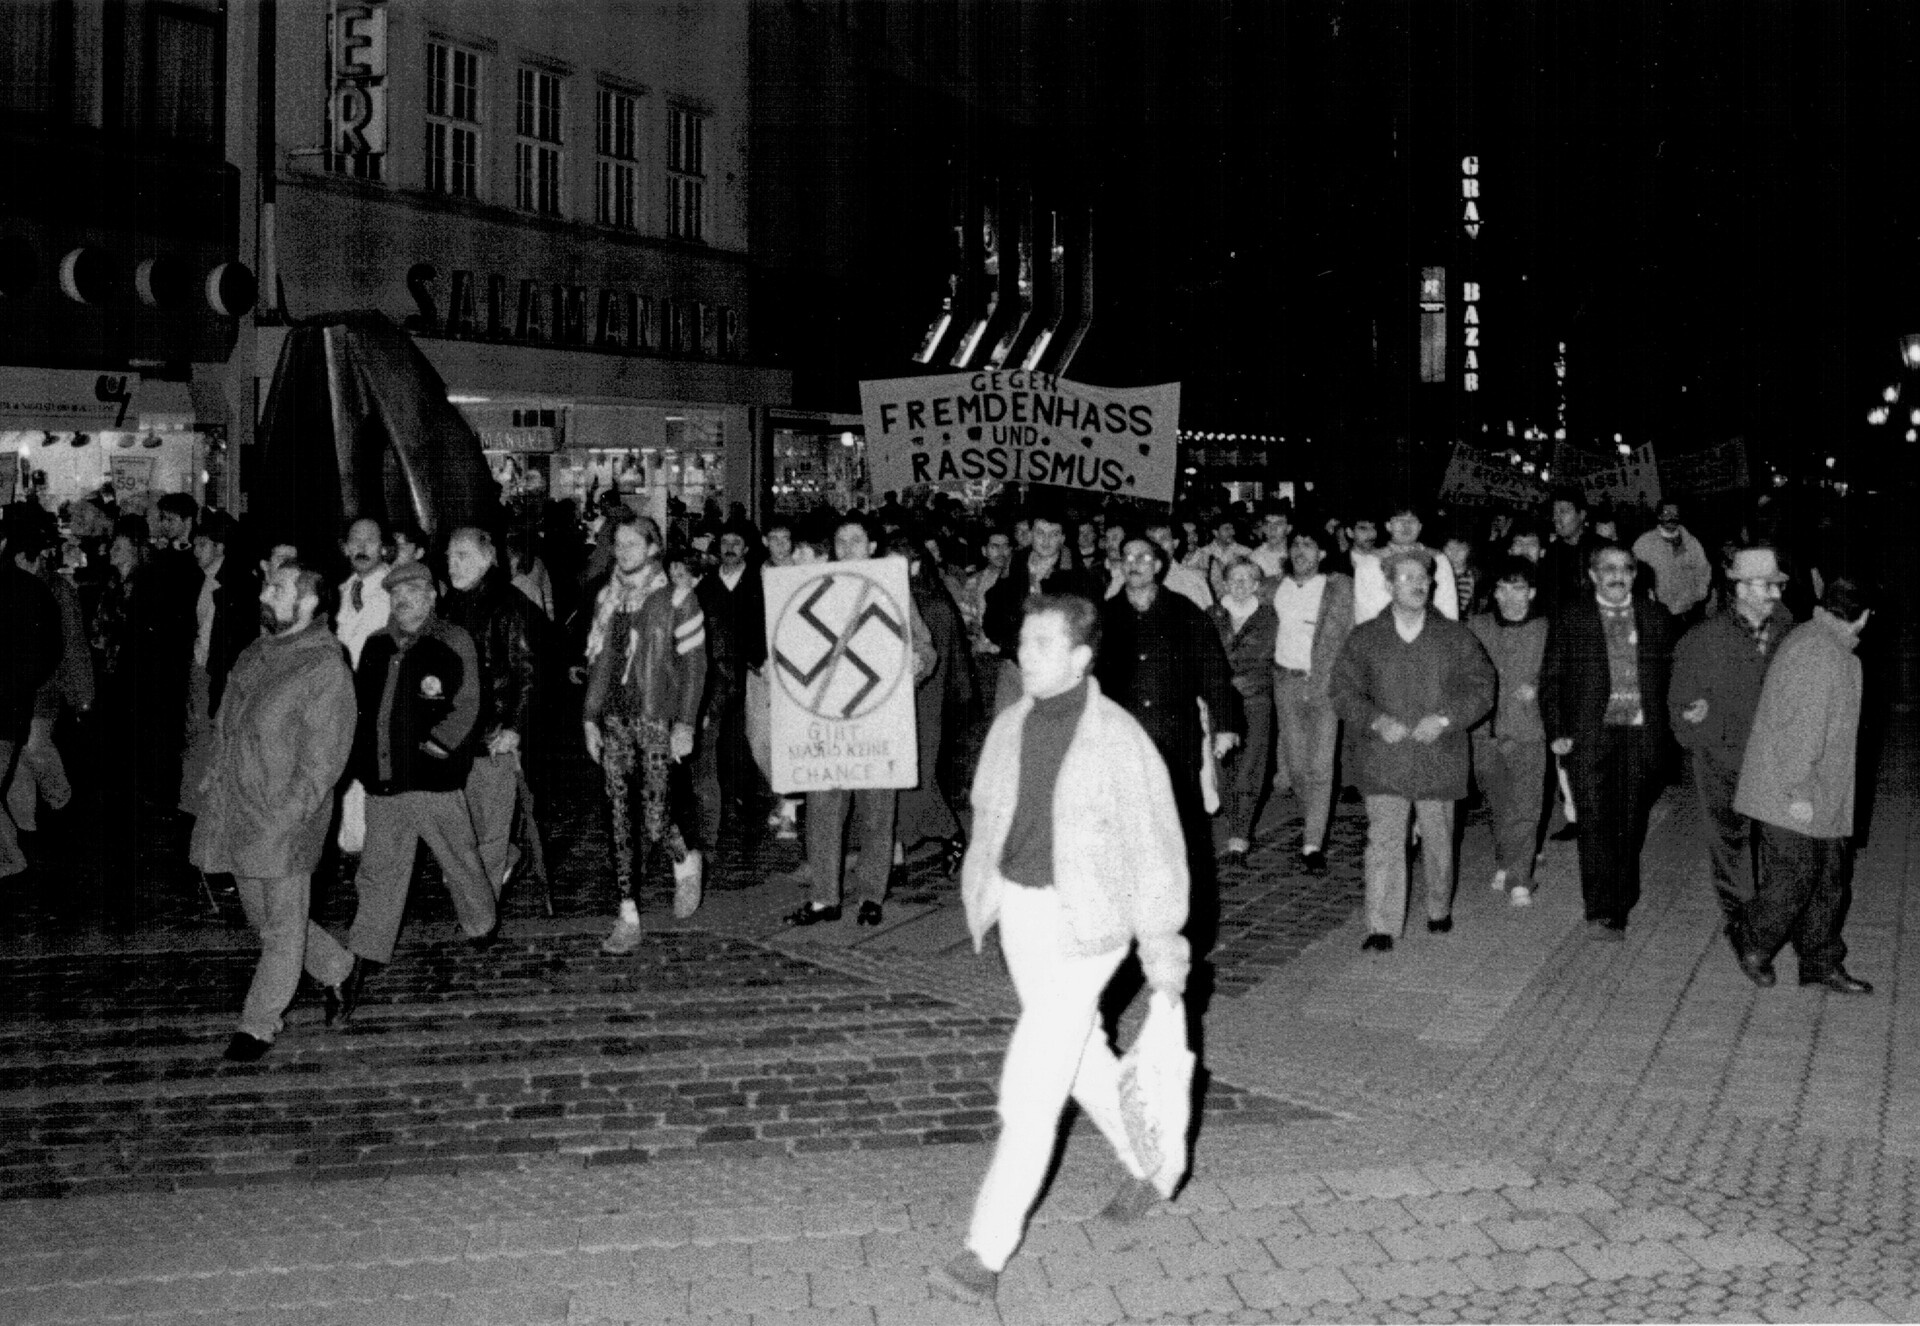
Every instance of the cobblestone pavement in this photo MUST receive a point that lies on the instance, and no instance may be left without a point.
(745, 1123)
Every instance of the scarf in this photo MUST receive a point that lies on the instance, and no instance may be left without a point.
(623, 594)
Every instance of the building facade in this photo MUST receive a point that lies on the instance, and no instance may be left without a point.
(120, 270)
(551, 197)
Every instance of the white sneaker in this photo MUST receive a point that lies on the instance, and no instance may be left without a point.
(687, 876)
(1499, 884)
(625, 937)
(1520, 895)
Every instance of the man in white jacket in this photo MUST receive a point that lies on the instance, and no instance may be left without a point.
(1077, 854)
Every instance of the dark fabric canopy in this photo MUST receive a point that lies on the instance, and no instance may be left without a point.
(358, 424)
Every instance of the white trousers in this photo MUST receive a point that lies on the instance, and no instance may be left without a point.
(1058, 1049)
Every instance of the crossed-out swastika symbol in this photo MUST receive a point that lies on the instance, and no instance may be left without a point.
(840, 646)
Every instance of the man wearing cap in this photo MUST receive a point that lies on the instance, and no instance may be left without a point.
(418, 689)
(1797, 783)
(1718, 668)
(1681, 573)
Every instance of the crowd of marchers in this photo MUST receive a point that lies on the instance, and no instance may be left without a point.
(365, 698)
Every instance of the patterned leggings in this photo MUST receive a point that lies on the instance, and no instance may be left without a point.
(634, 751)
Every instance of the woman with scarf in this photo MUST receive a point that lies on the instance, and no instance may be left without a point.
(1510, 749)
(646, 673)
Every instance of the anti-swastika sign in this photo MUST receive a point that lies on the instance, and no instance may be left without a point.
(840, 663)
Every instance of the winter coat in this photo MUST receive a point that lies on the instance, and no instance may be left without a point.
(281, 741)
(1250, 649)
(1717, 661)
(72, 682)
(654, 666)
(1006, 601)
(1443, 671)
(1119, 855)
(434, 717)
(499, 620)
(1158, 663)
(32, 625)
(1805, 732)
(1575, 679)
(1330, 630)
(1681, 572)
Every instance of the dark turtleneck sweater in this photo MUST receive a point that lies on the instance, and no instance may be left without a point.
(1027, 857)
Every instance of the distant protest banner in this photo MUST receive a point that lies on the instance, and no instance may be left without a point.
(1479, 478)
(1634, 481)
(1022, 427)
(840, 676)
(1717, 469)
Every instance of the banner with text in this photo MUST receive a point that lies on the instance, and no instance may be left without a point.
(1633, 481)
(840, 676)
(1480, 478)
(1022, 427)
(1719, 469)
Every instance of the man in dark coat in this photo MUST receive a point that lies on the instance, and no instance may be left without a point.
(418, 689)
(734, 600)
(1563, 561)
(499, 620)
(1603, 698)
(31, 621)
(1160, 658)
(280, 744)
(1047, 568)
(1718, 669)
(1410, 683)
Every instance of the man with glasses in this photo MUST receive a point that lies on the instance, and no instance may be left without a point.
(1718, 669)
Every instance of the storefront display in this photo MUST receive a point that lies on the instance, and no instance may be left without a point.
(55, 468)
(819, 464)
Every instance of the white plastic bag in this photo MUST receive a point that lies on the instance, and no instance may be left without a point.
(353, 818)
(1156, 1093)
(759, 721)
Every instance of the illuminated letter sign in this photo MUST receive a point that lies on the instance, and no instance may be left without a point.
(1470, 334)
(1433, 324)
(357, 101)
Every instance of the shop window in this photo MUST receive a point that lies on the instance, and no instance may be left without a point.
(616, 169)
(185, 83)
(453, 120)
(36, 53)
(686, 174)
(537, 149)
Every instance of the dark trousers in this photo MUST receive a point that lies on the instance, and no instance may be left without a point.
(1801, 898)
(1512, 772)
(1729, 834)
(1612, 775)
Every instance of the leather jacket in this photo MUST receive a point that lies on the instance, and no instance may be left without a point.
(653, 668)
(499, 618)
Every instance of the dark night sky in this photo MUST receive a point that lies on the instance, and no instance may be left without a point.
(1711, 201)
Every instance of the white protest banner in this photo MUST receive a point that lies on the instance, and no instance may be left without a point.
(1635, 481)
(840, 676)
(1477, 478)
(1023, 427)
(1718, 469)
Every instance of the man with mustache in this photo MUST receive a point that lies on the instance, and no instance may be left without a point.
(281, 740)
(364, 608)
(1603, 698)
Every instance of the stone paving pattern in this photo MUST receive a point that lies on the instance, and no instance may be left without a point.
(1503, 1124)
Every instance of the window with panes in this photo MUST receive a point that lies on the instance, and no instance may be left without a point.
(537, 146)
(686, 174)
(616, 167)
(453, 120)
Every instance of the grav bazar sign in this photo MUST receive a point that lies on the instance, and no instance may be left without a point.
(1022, 427)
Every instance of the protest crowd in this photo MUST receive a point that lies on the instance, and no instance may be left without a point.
(1562, 666)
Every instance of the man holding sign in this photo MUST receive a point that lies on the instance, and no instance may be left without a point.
(840, 747)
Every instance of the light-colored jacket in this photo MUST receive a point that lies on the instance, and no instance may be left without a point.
(1805, 732)
(1681, 573)
(1119, 856)
(283, 733)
